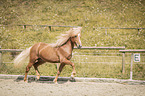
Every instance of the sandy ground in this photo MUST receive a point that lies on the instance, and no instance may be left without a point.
(11, 87)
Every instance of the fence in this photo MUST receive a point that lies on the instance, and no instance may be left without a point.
(50, 27)
(136, 59)
(98, 61)
(106, 28)
(19, 50)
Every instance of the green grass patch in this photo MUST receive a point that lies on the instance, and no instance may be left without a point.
(88, 64)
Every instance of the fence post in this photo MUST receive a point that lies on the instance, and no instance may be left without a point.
(24, 26)
(49, 28)
(131, 65)
(138, 31)
(123, 63)
(106, 31)
(0, 57)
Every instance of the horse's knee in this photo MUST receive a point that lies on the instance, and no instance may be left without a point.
(73, 65)
(28, 68)
(58, 73)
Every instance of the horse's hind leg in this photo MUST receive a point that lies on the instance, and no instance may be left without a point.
(27, 70)
(31, 62)
(58, 73)
(40, 61)
(37, 72)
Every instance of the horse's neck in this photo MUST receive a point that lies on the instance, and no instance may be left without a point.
(68, 47)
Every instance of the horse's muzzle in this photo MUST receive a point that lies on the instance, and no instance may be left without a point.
(79, 46)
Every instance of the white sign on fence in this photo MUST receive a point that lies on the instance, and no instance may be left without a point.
(136, 57)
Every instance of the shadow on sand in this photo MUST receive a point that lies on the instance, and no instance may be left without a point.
(45, 79)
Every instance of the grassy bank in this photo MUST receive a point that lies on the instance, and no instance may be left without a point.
(89, 14)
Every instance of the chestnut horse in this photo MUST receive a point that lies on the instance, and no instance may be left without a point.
(59, 52)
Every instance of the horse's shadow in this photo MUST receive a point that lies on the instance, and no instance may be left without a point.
(46, 79)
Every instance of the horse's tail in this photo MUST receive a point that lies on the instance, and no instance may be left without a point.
(22, 57)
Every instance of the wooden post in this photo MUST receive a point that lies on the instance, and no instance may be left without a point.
(106, 31)
(24, 26)
(131, 67)
(0, 57)
(49, 28)
(138, 31)
(123, 63)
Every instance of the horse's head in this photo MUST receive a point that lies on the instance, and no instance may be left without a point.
(76, 39)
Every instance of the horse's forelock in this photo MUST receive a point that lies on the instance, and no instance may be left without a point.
(75, 31)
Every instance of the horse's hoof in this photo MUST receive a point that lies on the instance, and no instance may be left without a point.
(38, 77)
(72, 76)
(55, 81)
(72, 79)
(25, 81)
(73, 73)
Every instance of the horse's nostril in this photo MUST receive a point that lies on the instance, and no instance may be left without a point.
(79, 46)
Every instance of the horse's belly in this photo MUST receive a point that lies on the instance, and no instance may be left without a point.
(50, 59)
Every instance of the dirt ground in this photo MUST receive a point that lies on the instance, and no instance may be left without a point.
(11, 87)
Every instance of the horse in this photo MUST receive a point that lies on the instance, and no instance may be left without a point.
(59, 52)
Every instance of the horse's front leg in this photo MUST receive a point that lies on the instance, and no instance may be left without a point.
(58, 73)
(27, 70)
(73, 66)
(74, 71)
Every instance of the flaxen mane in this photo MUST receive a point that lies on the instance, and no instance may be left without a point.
(64, 37)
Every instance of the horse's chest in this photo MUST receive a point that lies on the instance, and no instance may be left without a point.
(66, 54)
(69, 57)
